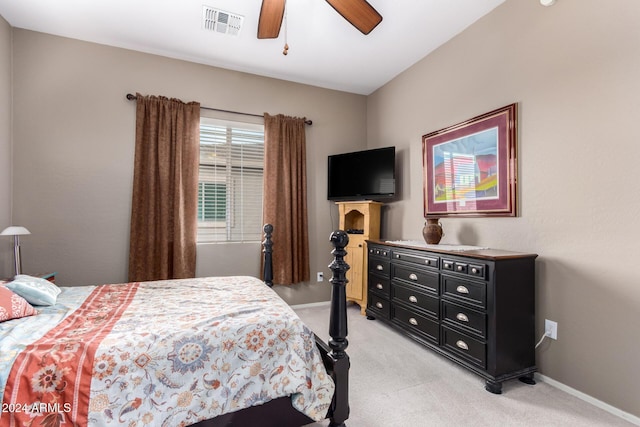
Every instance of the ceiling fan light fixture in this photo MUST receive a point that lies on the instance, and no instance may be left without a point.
(547, 2)
(358, 13)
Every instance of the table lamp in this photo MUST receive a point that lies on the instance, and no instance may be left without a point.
(16, 231)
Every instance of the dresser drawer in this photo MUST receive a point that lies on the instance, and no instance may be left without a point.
(411, 274)
(457, 266)
(471, 349)
(463, 267)
(379, 252)
(470, 320)
(416, 323)
(379, 284)
(463, 290)
(416, 298)
(379, 266)
(422, 260)
(379, 306)
(477, 270)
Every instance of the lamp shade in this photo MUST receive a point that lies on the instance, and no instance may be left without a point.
(14, 230)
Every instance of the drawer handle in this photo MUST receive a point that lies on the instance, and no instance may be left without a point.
(413, 299)
(447, 265)
(413, 321)
(379, 267)
(462, 289)
(460, 268)
(474, 270)
(461, 344)
(379, 304)
(462, 317)
(427, 261)
(379, 286)
(384, 253)
(412, 276)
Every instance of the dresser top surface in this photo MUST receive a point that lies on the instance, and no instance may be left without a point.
(456, 250)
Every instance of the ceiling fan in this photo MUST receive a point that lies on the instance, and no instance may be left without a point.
(358, 12)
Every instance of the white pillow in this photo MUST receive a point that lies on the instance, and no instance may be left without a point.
(35, 290)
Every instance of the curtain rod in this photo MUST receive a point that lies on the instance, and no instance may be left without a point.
(132, 97)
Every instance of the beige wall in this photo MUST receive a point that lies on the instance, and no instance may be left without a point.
(574, 71)
(74, 145)
(6, 254)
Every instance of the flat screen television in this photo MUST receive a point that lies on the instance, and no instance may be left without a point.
(362, 175)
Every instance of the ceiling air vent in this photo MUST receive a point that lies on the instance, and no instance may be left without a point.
(222, 22)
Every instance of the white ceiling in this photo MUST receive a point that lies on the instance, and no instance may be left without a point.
(324, 49)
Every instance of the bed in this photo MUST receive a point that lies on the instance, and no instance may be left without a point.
(215, 351)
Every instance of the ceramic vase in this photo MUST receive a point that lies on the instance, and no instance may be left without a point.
(432, 231)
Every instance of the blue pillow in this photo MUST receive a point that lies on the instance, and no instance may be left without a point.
(35, 290)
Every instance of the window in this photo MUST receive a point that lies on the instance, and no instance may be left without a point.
(212, 202)
(230, 181)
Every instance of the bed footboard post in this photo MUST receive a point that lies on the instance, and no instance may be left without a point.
(338, 328)
(267, 249)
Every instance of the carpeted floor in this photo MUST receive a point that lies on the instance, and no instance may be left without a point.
(396, 382)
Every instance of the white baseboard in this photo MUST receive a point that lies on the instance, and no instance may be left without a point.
(580, 395)
(311, 304)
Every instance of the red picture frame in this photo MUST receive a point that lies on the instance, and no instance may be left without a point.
(470, 168)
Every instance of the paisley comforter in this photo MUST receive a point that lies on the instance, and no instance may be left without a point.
(164, 353)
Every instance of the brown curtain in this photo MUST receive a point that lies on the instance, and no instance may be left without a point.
(285, 197)
(165, 189)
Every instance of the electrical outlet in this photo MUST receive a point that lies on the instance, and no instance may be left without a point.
(551, 329)
(320, 276)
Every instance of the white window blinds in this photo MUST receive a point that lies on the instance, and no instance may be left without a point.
(230, 181)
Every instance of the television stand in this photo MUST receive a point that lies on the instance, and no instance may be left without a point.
(361, 220)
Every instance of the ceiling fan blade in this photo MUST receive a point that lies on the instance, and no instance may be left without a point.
(270, 21)
(358, 12)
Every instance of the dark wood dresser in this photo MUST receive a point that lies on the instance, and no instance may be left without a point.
(475, 307)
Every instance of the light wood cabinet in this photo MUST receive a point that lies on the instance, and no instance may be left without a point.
(361, 220)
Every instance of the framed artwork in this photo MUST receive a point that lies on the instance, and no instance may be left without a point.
(470, 169)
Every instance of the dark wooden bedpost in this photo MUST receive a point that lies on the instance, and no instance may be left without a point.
(279, 412)
(267, 246)
(338, 328)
